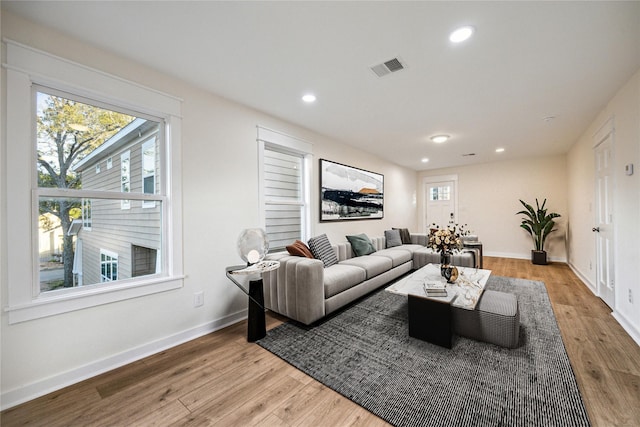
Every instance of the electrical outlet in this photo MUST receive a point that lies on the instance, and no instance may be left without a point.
(630, 297)
(198, 299)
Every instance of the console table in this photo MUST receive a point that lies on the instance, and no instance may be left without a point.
(256, 322)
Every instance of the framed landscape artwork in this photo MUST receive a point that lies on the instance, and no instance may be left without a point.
(348, 193)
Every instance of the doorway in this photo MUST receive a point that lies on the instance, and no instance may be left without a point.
(604, 215)
(440, 201)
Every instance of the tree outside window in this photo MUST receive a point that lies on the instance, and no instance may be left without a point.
(67, 131)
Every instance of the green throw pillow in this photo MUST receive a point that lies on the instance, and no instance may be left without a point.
(361, 245)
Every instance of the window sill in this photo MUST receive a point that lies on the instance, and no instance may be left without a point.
(67, 300)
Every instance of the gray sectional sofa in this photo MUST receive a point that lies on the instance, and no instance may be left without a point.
(304, 290)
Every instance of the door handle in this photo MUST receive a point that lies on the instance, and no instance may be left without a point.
(596, 229)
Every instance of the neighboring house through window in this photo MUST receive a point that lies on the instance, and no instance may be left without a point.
(149, 171)
(125, 177)
(144, 260)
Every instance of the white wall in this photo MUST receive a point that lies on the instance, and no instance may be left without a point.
(624, 108)
(489, 196)
(220, 198)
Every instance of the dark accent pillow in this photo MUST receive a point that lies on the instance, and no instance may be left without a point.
(322, 250)
(361, 245)
(405, 236)
(299, 248)
(392, 238)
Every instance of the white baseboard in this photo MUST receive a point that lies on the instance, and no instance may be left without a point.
(620, 318)
(40, 388)
(583, 278)
(521, 256)
(627, 326)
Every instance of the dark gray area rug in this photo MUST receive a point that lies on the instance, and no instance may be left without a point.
(364, 352)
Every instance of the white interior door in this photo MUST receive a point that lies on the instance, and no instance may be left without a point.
(440, 207)
(603, 228)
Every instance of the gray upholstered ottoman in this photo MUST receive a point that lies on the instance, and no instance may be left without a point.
(496, 319)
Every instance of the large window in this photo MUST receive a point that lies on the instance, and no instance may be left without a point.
(285, 187)
(83, 119)
(66, 161)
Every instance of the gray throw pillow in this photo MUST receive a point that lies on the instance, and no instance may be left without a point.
(404, 235)
(392, 237)
(321, 249)
(361, 245)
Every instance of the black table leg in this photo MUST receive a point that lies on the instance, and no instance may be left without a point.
(430, 320)
(256, 324)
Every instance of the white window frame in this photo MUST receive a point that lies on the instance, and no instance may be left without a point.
(26, 67)
(109, 162)
(125, 177)
(151, 143)
(286, 143)
(86, 214)
(113, 259)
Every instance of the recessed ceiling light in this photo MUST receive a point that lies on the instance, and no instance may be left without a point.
(309, 98)
(425, 160)
(461, 34)
(439, 139)
(499, 150)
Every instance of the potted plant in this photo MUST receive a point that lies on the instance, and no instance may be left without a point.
(539, 224)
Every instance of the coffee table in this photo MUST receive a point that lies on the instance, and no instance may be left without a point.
(430, 317)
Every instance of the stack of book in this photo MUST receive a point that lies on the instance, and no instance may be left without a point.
(435, 289)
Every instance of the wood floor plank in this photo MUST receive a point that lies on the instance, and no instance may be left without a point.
(300, 405)
(256, 410)
(220, 379)
(168, 414)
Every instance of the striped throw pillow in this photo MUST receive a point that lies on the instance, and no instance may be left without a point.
(321, 249)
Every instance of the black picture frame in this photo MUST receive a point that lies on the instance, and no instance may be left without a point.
(349, 193)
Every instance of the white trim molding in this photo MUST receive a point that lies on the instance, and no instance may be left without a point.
(27, 67)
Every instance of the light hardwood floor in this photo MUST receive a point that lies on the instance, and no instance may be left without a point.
(222, 380)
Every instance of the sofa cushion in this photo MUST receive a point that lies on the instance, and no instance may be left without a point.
(405, 236)
(340, 277)
(411, 248)
(397, 255)
(392, 238)
(299, 248)
(373, 265)
(361, 245)
(322, 250)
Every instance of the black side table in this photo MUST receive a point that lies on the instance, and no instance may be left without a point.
(256, 322)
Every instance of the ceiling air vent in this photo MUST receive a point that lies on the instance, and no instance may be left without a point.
(391, 66)
(468, 154)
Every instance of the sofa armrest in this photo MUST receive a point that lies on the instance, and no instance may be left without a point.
(296, 289)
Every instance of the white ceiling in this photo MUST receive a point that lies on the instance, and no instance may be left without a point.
(527, 61)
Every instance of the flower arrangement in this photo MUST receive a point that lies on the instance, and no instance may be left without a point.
(446, 239)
